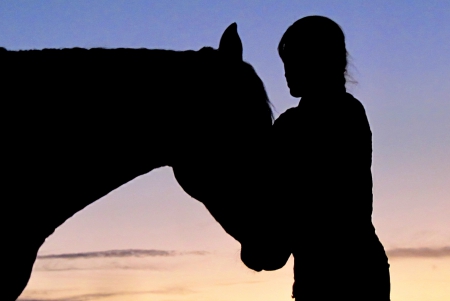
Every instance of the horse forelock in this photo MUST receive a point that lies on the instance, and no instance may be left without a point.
(257, 85)
(252, 90)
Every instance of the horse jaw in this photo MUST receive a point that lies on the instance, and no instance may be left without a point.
(218, 196)
(264, 245)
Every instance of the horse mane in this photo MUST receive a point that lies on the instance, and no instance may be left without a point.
(161, 59)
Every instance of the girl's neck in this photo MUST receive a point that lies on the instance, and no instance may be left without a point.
(324, 90)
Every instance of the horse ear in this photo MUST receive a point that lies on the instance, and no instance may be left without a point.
(230, 43)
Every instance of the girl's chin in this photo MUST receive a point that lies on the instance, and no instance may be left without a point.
(295, 92)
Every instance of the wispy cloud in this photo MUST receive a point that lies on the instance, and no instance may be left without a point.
(129, 259)
(97, 296)
(419, 252)
(60, 267)
(119, 254)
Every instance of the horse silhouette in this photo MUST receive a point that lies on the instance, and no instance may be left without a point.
(82, 122)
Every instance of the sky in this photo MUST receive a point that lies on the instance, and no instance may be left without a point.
(399, 60)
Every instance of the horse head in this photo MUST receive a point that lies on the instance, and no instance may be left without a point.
(222, 154)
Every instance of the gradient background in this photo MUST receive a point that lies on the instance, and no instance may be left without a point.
(400, 58)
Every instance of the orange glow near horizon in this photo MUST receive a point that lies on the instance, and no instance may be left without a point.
(216, 276)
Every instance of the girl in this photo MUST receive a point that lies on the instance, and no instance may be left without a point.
(324, 171)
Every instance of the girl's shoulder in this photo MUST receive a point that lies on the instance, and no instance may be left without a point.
(355, 113)
(353, 103)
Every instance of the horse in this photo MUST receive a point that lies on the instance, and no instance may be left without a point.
(79, 123)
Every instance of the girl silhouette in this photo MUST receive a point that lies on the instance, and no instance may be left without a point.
(324, 171)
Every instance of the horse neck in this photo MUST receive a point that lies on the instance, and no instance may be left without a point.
(174, 88)
(111, 114)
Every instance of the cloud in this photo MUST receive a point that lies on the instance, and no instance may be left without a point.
(60, 267)
(89, 297)
(419, 252)
(119, 254)
(129, 259)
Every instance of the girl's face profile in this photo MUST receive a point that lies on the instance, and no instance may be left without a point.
(314, 56)
(293, 74)
(300, 70)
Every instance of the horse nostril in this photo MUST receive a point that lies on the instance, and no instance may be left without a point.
(266, 258)
(276, 258)
(250, 260)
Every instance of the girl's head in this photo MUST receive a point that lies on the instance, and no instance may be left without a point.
(314, 56)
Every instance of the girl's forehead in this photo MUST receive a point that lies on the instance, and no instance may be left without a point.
(295, 48)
